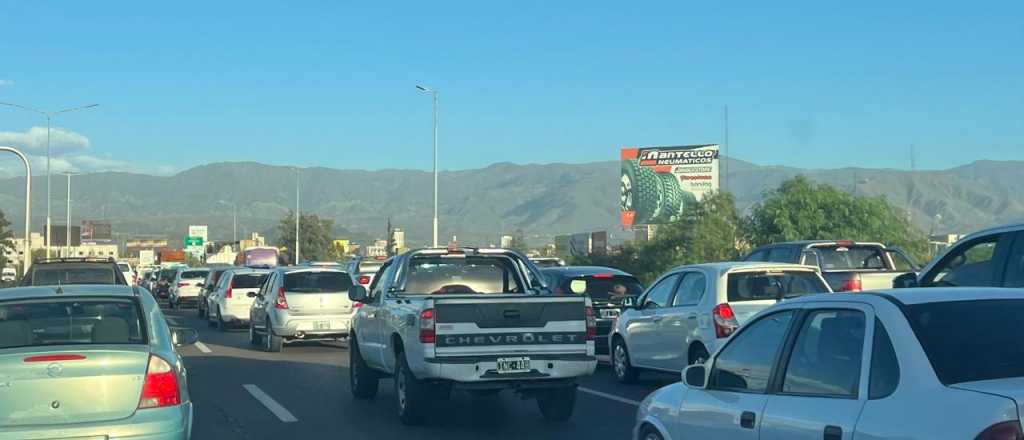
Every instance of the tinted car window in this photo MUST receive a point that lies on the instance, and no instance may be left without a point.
(661, 293)
(885, 369)
(602, 288)
(758, 255)
(968, 265)
(691, 289)
(826, 357)
(968, 341)
(756, 286)
(69, 321)
(249, 281)
(193, 274)
(50, 277)
(317, 282)
(1014, 275)
(746, 363)
(443, 275)
(836, 257)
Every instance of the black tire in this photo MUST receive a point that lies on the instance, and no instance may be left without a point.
(698, 355)
(272, 342)
(361, 378)
(200, 311)
(622, 367)
(649, 433)
(557, 404)
(221, 325)
(255, 338)
(411, 395)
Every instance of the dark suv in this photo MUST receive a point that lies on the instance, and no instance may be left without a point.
(61, 271)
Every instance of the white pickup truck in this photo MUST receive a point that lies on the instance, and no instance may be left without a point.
(480, 320)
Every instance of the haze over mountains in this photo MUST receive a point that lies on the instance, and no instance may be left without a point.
(476, 205)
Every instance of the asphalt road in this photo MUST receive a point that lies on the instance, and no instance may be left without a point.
(241, 392)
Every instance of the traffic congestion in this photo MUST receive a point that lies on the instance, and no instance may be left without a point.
(466, 338)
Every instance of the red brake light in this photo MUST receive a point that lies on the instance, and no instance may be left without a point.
(161, 386)
(588, 312)
(1002, 431)
(851, 285)
(603, 276)
(227, 294)
(55, 358)
(725, 320)
(282, 302)
(364, 279)
(357, 305)
(182, 284)
(846, 243)
(428, 335)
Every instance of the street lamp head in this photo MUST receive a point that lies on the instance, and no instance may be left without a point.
(425, 89)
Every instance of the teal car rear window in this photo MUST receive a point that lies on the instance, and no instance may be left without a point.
(70, 321)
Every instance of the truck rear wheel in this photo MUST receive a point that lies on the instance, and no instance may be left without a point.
(557, 404)
(361, 379)
(410, 393)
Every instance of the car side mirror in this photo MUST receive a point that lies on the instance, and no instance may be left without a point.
(182, 336)
(629, 302)
(357, 293)
(251, 294)
(696, 376)
(904, 281)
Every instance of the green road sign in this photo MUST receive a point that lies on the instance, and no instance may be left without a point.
(193, 241)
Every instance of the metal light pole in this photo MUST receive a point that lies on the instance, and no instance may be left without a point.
(67, 227)
(433, 93)
(27, 257)
(49, 116)
(234, 219)
(297, 216)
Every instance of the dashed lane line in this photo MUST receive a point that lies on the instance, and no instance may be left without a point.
(609, 396)
(203, 348)
(271, 404)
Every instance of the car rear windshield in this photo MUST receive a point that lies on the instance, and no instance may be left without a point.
(249, 280)
(70, 321)
(317, 282)
(462, 274)
(968, 341)
(837, 257)
(762, 285)
(193, 274)
(68, 275)
(602, 287)
(370, 267)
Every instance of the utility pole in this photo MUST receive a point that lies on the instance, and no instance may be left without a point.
(298, 215)
(723, 160)
(434, 94)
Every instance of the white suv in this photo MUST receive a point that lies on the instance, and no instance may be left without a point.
(185, 285)
(689, 311)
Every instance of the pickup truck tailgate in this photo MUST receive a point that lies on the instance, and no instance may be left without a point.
(509, 325)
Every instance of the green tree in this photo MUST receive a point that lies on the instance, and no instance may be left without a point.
(317, 242)
(5, 238)
(800, 209)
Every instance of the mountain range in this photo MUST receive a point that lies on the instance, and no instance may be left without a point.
(476, 205)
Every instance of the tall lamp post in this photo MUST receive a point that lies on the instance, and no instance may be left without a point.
(27, 258)
(433, 94)
(234, 219)
(297, 216)
(67, 228)
(49, 116)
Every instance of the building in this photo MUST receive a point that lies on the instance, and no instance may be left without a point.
(224, 256)
(506, 242)
(93, 230)
(398, 240)
(939, 242)
(644, 233)
(16, 254)
(133, 248)
(378, 249)
(255, 240)
(92, 250)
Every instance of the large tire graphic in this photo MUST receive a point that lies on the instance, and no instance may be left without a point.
(645, 191)
(672, 199)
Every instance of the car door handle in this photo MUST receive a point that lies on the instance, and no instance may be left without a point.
(692, 316)
(833, 433)
(747, 419)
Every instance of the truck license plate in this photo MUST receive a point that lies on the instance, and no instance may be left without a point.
(513, 365)
(322, 325)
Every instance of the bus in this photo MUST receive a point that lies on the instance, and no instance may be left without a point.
(262, 256)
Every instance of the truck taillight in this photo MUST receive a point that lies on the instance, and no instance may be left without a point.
(227, 294)
(428, 335)
(364, 280)
(357, 305)
(161, 386)
(1002, 431)
(182, 284)
(851, 285)
(281, 303)
(725, 320)
(591, 323)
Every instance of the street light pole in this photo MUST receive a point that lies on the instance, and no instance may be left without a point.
(297, 216)
(67, 225)
(27, 257)
(434, 94)
(49, 117)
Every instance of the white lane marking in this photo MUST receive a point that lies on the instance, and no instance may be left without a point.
(203, 348)
(271, 404)
(609, 396)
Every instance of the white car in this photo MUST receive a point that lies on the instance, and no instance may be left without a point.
(185, 285)
(229, 301)
(129, 274)
(928, 364)
(690, 310)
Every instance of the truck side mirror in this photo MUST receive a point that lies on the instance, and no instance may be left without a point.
(904, 281)
(357, 293)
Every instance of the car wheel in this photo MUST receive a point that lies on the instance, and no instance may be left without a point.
(221, 325)
(410, 394)
(362, 380)
(254, 338)
(649, 433)
(200, 311)
(621, 366)
(698, 355)
(272, 342)
(557, 404)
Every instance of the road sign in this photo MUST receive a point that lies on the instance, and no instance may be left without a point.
(193, 241)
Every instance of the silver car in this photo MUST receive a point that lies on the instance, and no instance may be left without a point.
(90, 362)
(230, 300)
(684, 316)
(928, 364)
(299, 303)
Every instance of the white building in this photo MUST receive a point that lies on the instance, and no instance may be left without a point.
(16, 255)
(92, 250)
(398, 239)
(506, 242)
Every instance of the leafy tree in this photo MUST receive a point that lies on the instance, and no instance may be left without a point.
(5, 239)
(317, 242)
(803, 210)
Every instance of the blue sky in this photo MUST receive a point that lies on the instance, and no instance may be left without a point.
(810, 84)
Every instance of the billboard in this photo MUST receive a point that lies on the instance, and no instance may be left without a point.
(658, 184)
(579, 244)
(599, 243)
(96, 231)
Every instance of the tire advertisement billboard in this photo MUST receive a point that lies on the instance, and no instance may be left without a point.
(658, 184)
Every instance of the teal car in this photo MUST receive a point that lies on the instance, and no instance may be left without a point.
(91, 362)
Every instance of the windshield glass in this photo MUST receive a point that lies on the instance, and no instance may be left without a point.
(92, 275)
(463, 274)
(193, 274)
(968, 341)
(248, 281)
(123, 267)
(69, 322)
(755, 286)
(317, 282)
(370, 267)
(850, 257)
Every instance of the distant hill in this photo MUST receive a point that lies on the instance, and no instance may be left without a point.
(541, 199)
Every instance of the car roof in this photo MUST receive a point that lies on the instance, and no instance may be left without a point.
(291, 269)
(573, 271)
(810, 242)
(238, 270)
(1012, 227)
(66, 290)
(727, 266)
(919, 295)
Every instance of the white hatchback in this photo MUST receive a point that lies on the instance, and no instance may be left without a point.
(229, 301)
